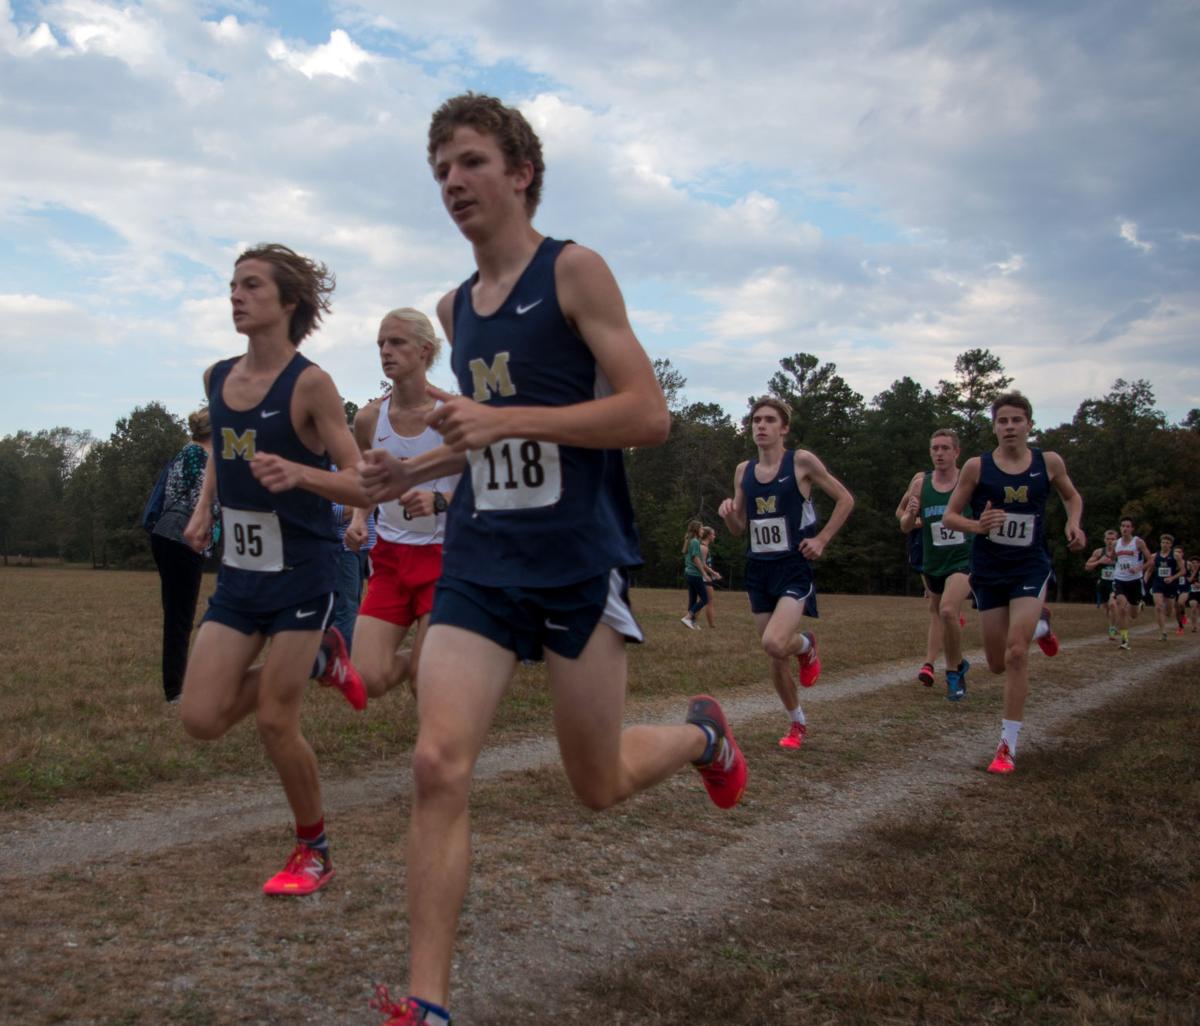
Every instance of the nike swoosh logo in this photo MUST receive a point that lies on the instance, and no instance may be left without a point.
(304, 616)
(780, 480)
(1038, 474)
(555, 626)
(382, 438)
(1029, 589)
(269, 413)
(525, 309)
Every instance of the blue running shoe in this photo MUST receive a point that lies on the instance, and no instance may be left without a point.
(954, 687)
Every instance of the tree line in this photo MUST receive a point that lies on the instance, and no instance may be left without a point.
(67, 495)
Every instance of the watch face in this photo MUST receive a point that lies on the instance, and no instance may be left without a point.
(439, 502)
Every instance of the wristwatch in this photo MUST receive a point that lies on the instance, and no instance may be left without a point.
(439, 502)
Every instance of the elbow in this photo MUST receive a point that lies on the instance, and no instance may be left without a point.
(655, 427)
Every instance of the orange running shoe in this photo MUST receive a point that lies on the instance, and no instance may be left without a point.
(340, 672)
(795, 736)
(925, 674)
(404, 1013)
(1003, 762)
(725, 775)
(1048, 643)
(307, 870)
(810, 662)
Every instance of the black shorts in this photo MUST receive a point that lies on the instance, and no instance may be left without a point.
(937, 582)
(1131, 591)
(528, 620)
(769, 580)
(312, 615)
(1104, 591)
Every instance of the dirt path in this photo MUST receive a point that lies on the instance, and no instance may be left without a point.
(113, 828)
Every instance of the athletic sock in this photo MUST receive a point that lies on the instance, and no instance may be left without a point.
(1041, 630)
(433, 1015)
(1010, 730)
(319, 664)
(710, 747)
(797, 715)
(314, 836)
(805, 644)
(1125, 635)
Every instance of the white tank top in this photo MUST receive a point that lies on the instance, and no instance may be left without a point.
(1130, 564)
(393, 523)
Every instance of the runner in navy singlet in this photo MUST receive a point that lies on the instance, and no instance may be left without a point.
(772, 503)
(540, 530)
(1010, 563)
(1165, 571)
(276, 420)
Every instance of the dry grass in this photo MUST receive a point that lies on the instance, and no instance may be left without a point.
(81, 710)
(1069, 894)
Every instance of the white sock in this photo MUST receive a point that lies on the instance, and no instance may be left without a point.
(1010, 730)
(797, 715)
(805, 645)
(1041, 630)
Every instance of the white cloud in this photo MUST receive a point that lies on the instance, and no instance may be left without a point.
(341, 57)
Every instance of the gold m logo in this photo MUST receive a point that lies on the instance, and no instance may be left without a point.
(766, 505)
(234, 445)
(1016, 494)
(493, 380)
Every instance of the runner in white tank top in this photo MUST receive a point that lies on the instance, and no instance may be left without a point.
(407, 558)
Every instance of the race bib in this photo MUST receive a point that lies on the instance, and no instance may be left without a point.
(253, 540)
(1128, 566)
(1106, 573)
(769, 534)
(516, 473)
(399, 517)
(1017, 530)
(1164, 571)
(1196, 588)
(942, 536)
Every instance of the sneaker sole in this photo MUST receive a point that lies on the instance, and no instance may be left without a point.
(297, 892)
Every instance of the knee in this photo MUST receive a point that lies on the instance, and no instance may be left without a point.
(200, 725)
(949, 615)
(776, 648)
(597, 795)
(1017, 655)
(276, 724)
(374, 681)
(438, 774)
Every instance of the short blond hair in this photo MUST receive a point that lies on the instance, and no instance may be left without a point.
(946, 433)
(422, 328)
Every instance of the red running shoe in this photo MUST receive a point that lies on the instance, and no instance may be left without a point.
(340, 672)
(307, 870)
(1003, 762)
(725, 775)
(1048, 643)
(795, 736)
(810, 662)
(925, 674)
(403, 1013)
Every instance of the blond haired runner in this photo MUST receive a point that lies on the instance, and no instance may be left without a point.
(406, 560)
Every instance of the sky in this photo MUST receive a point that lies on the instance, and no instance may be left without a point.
(882, 183)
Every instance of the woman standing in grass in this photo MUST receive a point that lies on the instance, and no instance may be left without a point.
(695, 573)
(179, 565)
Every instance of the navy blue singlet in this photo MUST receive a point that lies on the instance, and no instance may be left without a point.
(778, 517)
(526, 513)
(1019, 546)
(310, 544)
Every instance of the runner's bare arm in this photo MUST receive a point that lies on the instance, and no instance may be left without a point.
(910, 505)
(733, 511)
(1071, 499)
(953, 518)
(807, 465)
(635, 413)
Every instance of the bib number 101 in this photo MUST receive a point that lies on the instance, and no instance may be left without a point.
(516, 473)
